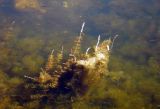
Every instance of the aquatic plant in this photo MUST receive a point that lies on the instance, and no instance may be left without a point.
(71, 76)
(28, 4)
(28, 33)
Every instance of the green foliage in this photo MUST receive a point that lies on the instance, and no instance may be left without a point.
(3, 83)
(30, 45)
(32, 62)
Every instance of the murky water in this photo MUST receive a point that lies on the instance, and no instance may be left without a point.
(30, 29)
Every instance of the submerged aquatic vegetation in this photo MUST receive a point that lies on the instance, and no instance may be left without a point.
(70, 77)
(28, 4)
(27, 35)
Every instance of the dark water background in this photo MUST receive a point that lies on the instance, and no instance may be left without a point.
(29, 31)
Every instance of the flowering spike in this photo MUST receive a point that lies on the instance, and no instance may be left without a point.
(98, 42)
(30, 77)
(82, 28)
(87, 50)
(60, 56)
(113, 41)
(50, 62)
(78, 40)
(52, 52)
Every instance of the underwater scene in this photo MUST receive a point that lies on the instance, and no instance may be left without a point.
(79, 54)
